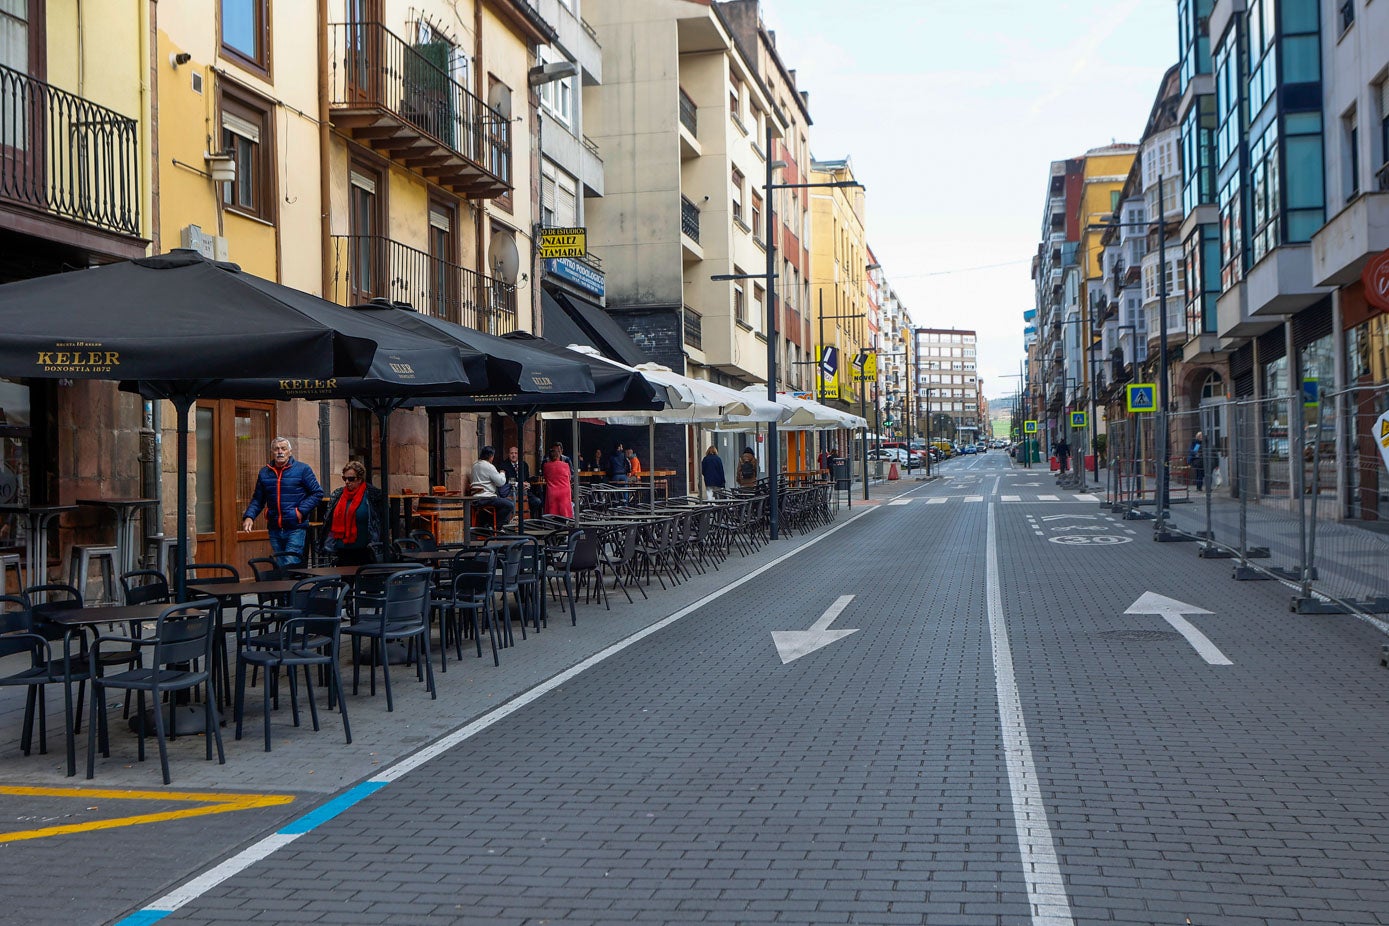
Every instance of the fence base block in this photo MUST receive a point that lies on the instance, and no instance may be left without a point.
(1166, 536)
(1139, 516)
(1211, 551)
(1249, 574)
(1256, 553)
(1302, 605)
(1292, 573)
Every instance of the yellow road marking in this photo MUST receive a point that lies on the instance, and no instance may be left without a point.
(212, 803)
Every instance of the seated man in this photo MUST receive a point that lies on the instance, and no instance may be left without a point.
(487, 483)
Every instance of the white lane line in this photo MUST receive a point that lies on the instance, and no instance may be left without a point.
(937, 501)
(200, 884)
(1047, 498)
(994, 490)
(1046, 891)
(901, 501)
(974, 498)
(1012, 498)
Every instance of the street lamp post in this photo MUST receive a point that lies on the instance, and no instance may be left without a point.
(773, 345)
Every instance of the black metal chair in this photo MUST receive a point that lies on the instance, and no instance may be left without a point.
(270, 568)
(18, 637)
(401, 614)
(469, 584)
(179, 659)
(305, 634)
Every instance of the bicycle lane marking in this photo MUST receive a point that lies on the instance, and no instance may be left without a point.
(1046, 891)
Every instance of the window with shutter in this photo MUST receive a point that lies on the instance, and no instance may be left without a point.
(566, 201)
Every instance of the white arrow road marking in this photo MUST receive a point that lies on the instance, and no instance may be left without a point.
(1172, 611)
(793, 644)
(1070, 517)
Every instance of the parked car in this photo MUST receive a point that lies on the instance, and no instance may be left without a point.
(896, 455)
(968, 449)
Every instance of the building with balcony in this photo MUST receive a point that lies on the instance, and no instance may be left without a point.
(839, 279)
(681, 118)
(390, 157)
(567, 75)
(1060, 235)
(76, 181)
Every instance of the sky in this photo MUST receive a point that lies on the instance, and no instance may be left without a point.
(951, 114)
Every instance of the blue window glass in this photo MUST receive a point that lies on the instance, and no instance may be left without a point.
(241, 26)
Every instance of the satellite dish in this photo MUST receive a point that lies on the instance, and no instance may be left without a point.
(499, 98)
(503, 258)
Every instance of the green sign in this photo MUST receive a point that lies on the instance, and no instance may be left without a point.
(1029, 427)
(1078, 420)
(1142, 397)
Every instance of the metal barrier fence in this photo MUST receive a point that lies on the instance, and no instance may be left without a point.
(1266, 491)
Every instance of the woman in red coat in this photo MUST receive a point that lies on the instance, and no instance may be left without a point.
(559, 493)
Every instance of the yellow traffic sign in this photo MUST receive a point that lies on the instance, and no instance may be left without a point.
(1142, 397)
(562, 242)
(1029, 427)
(1078, 419)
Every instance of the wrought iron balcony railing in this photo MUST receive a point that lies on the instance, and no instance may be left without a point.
(367, 266)
(402, 100)
(689, 219)
(67, 156)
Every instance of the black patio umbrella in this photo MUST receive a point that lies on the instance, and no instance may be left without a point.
(614, 388)
(175, 323)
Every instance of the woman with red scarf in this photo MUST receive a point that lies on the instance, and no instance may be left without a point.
(353, 522)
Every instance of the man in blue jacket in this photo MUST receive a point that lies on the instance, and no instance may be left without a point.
(289, 492)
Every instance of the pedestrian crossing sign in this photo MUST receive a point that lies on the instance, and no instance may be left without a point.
(1029, 427)
(1142, 397)
(1078, 420)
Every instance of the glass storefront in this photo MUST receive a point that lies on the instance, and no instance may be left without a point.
(16, 423)
(1367, 367)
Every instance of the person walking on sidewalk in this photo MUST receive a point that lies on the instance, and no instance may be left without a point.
(1196, 459)
(711, 469)
(1062, 451)
(288, 491)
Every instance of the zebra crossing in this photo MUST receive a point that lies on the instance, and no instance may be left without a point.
(1011, 499)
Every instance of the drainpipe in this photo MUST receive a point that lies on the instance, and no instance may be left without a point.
(325, 182)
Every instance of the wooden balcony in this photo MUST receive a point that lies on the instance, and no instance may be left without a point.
(400, 99)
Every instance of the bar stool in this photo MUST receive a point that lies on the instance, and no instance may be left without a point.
(159, 552)
(11, 560)
(79, 567)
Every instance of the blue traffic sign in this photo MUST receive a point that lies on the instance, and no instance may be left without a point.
(1311, 393)
(1142, 397)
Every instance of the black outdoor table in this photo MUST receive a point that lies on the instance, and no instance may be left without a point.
(78, 621)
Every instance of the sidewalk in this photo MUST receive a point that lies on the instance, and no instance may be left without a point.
(1350, 561)
(305, 761)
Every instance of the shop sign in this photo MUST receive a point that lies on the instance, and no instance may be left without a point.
(577, 272)
(1376, 279)
(563, 242)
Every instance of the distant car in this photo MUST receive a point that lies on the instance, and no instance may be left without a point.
(893, 455)
(968, 449)
(982, 447)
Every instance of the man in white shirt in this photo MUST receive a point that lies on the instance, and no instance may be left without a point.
(487, 482)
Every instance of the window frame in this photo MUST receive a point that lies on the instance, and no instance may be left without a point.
(259, 62)
(251, 108)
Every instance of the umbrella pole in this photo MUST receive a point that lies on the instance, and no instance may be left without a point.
(651, 460)
(574, 446)
(182, 405)
(383, 425)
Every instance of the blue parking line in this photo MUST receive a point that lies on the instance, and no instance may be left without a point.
(331, 809)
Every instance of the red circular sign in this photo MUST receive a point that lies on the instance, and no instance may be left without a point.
(1376, 280)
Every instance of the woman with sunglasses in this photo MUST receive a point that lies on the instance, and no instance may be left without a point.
(353, 522)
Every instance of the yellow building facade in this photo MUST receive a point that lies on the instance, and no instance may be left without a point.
(838, 308)
(1104, 173)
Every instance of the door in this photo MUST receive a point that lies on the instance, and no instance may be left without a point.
(23, 102)
(232, 444)
(363, 52)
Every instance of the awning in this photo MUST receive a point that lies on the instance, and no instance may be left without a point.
(593, 325)
(807, 415)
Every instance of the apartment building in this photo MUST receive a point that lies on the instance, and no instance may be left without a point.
(791, 206)
(947, 364)
(396, 162)
(681, 119)
(566, 76)
(839, 273)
